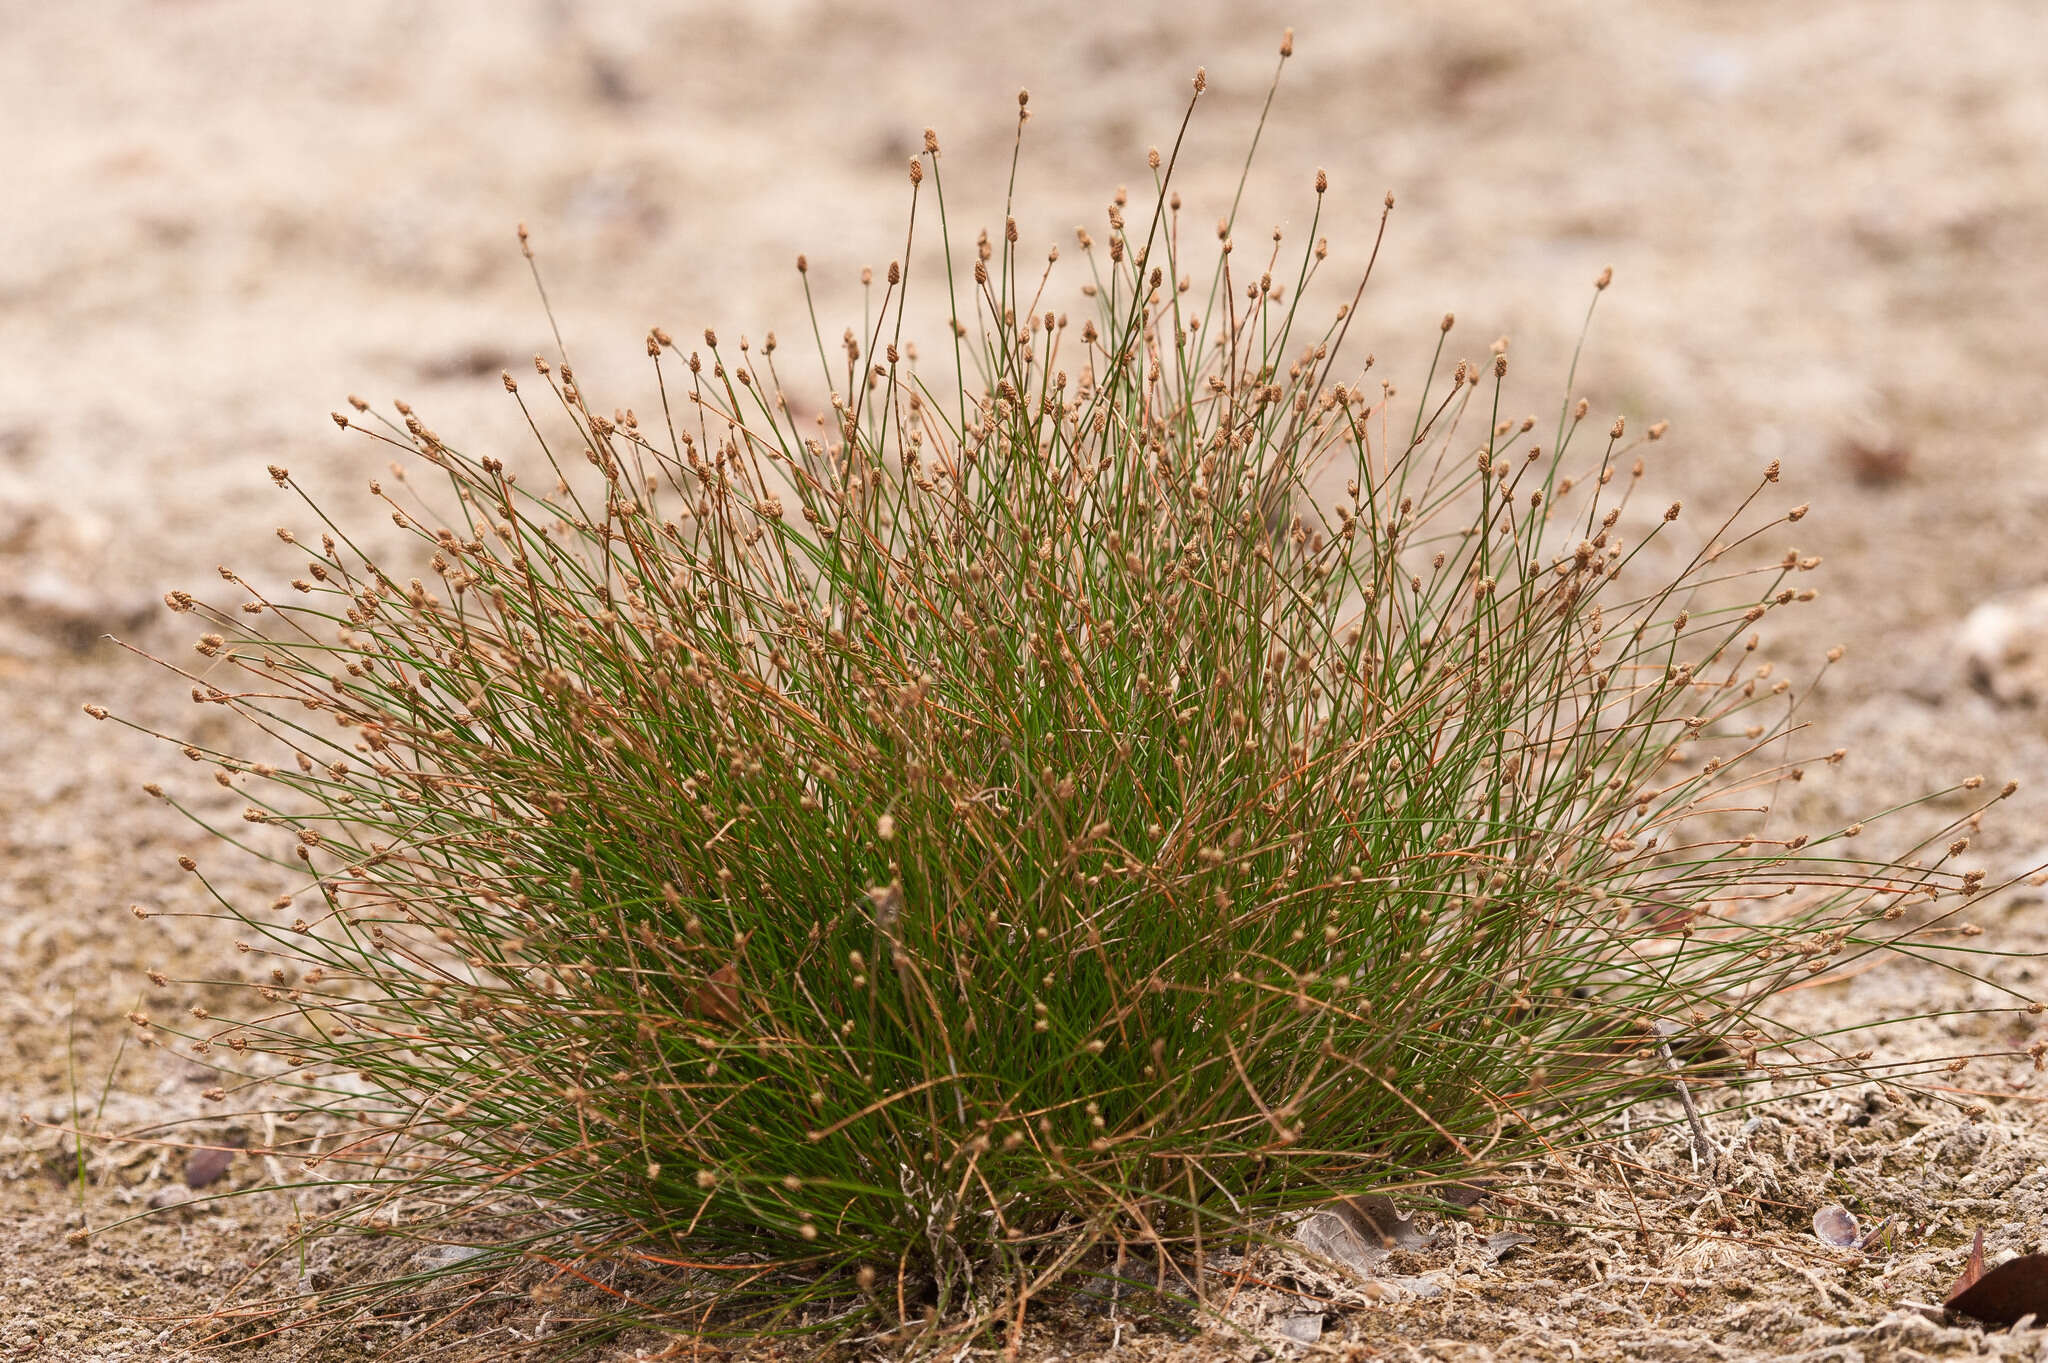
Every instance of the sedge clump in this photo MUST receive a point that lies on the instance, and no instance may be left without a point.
(1121, 782)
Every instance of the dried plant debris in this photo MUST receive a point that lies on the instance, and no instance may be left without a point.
(2013, 1291)
(1836, 1225)
(1876, 464)
(1361, 1237)
(207, 1164)
(1359, 1233)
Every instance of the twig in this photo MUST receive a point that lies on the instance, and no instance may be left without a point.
(1702, 1146)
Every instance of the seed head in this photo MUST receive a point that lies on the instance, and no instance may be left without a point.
(1201, 79)
(1671, 512)
(1606, 278)
(1322, 180)
(931, 141)
(916, 171)
(1450, 320)
(1287, 43)
(339, 420)
(1615, 434)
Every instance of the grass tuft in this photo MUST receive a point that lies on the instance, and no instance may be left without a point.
(1130, 781)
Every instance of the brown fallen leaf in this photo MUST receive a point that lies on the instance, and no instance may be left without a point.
(1376, 1217)
(206, 1164)
(718, 998)
(2016, 1288)
(1972, 1270)
(1466, 1194)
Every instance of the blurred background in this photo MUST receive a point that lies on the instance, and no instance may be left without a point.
(1828, 224)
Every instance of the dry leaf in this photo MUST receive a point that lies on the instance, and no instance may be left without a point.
(1358, 1233)
(1835, 1225)
(2015, 1289)
(1381, 1223)
(1972, 1271)
(1499, 1246)
(1466, 1194)
(1327, 1234)
(206, 1164)
(718, 998)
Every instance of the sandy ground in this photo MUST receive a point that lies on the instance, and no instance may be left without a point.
(1829, 225)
